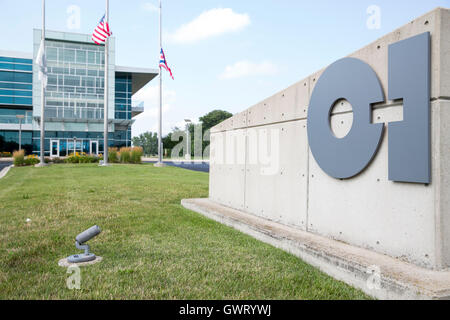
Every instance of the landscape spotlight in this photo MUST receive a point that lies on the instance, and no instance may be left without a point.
(80, 243)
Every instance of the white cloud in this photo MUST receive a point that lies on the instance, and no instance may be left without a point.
(148, 6)
(210, 23)
(247, 68)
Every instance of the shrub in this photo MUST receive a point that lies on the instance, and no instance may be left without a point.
(19, 158)
(91, 159)
(82, 158)
(136, 154)
(31, 160)
(73, 158)
(57, 160)
(5, 154)
(125, 155)
(112, 155)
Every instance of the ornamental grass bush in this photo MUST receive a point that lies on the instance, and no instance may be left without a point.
(19, 158)
(113, 156)
(136, 154)
(130, 155)
(125, 155)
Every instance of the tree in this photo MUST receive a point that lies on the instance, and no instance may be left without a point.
(171, 140)
(208, 121)
(213, 118)
(148, 141)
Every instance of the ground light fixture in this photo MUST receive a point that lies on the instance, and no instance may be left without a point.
(80, 243)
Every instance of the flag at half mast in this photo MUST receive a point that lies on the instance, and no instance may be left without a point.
(101, 32)
(163, 63)
(41, 61)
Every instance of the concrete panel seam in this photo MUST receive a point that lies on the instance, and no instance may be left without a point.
(245, 169)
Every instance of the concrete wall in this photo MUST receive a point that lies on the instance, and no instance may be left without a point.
(261, 164)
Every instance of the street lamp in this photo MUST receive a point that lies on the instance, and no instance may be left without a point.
(188, 143)
(20, 117)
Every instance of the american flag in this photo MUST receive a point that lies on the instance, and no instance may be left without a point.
(101, 32)
(163, 63)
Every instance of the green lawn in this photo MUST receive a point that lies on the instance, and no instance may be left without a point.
(152, 247)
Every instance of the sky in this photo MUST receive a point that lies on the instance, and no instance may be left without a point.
(227, 54)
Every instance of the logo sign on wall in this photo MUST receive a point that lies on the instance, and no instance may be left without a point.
(355, 81)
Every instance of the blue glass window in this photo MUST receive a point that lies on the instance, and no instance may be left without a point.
(16, 60)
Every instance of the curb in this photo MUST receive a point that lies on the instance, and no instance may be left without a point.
(5, 171)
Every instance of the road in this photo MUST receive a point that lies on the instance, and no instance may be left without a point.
(4, 164)
(195, 166)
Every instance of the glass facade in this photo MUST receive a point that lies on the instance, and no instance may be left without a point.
(122, 138)
(74, 104)
(69, 142)
(16, 98)
(9, 141)
(75, 80)
(10, 115)
(16, 79)
(123, 96)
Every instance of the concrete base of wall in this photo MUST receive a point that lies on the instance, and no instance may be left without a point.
(396, 279)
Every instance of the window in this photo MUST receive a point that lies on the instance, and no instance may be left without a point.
(120, 86)
(91, 57)
(81, 56)
(71, 81)
(6, 76)
(16, 60)
(52, 54)
(74, 85)
(5, 92)
(69, 55)
(80, 72)
(52, 79)
(23, 77)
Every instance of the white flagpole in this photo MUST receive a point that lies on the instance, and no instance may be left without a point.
(160, 161)
(106, 92)
(42, 160)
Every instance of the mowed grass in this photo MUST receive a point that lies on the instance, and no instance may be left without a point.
(152, 247)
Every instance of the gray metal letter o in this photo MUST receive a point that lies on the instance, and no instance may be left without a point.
(355, 81)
